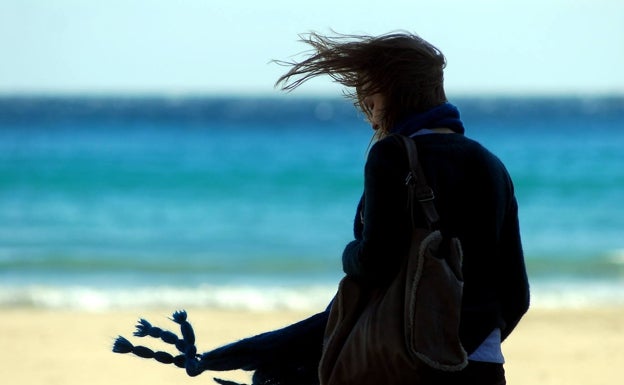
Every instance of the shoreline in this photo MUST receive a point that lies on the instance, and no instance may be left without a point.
(264, 296)
(71, 347)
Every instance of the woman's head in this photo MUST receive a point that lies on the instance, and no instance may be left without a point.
(402, 70)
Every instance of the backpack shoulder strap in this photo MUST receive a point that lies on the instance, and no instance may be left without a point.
(417, 185)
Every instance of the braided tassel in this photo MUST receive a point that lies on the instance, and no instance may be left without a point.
(192, 363)
(144, 328)
(122, 345)
(268, 354)
(186, 328)
(189, 359)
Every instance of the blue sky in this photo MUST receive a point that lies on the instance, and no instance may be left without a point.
(216, 47)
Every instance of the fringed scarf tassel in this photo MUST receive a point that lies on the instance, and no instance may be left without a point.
(188, 360)
(286, 356)
(122, 345)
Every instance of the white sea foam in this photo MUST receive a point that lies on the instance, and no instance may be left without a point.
(544, 294)
(217, 297)
(577, 294)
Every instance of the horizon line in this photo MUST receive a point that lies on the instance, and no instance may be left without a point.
(168, 94)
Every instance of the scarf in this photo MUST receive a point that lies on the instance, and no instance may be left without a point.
(445, 115)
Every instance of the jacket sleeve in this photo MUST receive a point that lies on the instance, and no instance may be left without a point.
(515, 284)
(375, 257)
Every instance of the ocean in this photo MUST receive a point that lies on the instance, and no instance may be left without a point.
(247, 202)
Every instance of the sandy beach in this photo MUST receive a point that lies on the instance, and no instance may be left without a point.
(550, 347)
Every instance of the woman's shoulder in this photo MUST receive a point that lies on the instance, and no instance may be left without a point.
(443, 144)
(386, 143)
(436, 146)
(388, 146)
(387, 155)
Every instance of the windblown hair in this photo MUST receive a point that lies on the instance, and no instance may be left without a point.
(403, 67)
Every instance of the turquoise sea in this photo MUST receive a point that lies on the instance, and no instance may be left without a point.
(243, 202)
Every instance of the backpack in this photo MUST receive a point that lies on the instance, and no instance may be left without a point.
(397, 334)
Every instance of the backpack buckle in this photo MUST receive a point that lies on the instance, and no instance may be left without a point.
(425, 195)
(410, 179)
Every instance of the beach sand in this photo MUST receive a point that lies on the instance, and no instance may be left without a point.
(549, 347)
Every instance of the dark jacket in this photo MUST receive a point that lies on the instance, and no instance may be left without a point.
(474, 196)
